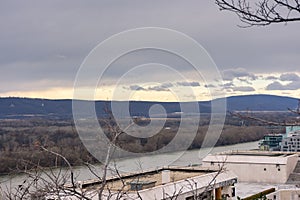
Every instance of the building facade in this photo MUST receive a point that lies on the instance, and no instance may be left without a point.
(255, 166)
(271, 142)
(284, 194)
(291, 143)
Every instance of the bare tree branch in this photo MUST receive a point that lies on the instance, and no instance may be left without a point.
(115, 132)
(262, 12)
(213, 180)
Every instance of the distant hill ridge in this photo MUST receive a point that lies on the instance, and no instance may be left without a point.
(13, 107)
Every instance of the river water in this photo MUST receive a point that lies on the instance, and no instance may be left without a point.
(182, 158)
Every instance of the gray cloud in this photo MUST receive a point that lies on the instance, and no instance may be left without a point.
(47, 41)
(295, 85)
(166, 85)
(231, 74)
(163, 86)
(293, 80)
(289, 77)
(228, 85)
(157, 88)
(271, 78)
(275, 86)
(244, 80)
(136, 87)
(188, 84)
(231, 87)
(243, 89)
(210, 86)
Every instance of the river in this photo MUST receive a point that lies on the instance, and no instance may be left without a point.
(181, 158)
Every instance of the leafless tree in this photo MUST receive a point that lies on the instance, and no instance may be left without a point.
(40, 182)
(262, 12)
(115, 132)
(61, 182)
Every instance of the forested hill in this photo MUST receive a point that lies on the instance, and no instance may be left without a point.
(26, 107)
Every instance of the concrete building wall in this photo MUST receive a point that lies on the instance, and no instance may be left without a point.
(263, 173)
(284, 195)
(248, 168)
(291, 164)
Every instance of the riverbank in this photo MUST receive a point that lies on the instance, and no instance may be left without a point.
(20, 141)
(125, 165)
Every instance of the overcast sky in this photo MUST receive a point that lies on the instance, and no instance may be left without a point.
(43, 44)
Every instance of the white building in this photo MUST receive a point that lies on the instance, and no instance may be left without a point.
(284, 194)
(291, 143)
(255, 166)
(166, 183)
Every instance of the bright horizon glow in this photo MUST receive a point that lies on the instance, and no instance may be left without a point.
(67, 93)
(201, 93)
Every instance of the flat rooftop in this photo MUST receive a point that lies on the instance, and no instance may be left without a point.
(253, 157)
(257, 153)
(155, 178)
(151, 178)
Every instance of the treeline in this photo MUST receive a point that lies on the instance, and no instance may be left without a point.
(20, 141)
